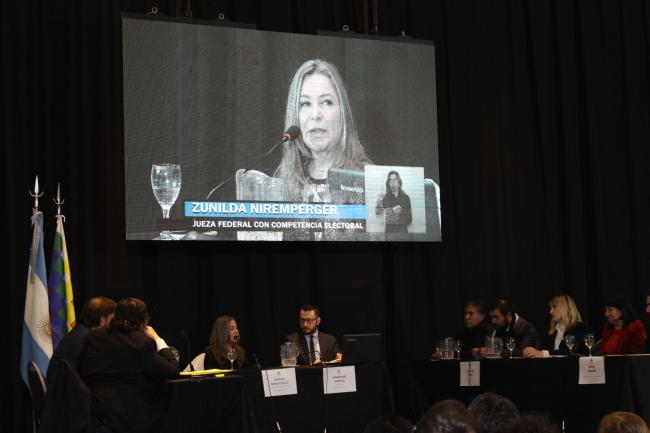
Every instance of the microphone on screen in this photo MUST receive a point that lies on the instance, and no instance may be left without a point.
(291, 134)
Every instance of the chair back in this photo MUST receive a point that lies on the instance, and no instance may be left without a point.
(37, 389)
(198, 363)
(67, 402)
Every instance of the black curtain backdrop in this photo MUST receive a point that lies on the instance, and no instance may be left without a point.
(544, 123)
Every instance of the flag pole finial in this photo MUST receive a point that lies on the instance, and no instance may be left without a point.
(57, 201)
(36, 194)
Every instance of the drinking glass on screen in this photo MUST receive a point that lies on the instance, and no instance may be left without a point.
(570, 341)
(166, 185)
(511, 343)
(589, 342)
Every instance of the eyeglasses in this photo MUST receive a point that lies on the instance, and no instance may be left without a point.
(301, 320)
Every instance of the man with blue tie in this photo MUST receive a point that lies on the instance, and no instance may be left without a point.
(315, 346)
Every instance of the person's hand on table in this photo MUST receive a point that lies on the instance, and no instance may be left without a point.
(531, 352)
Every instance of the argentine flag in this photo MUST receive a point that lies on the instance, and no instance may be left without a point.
(37, 339)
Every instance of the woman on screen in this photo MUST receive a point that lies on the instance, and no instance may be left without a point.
(318, 103)
(224, 339)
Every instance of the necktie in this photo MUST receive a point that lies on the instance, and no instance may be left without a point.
(311, 349)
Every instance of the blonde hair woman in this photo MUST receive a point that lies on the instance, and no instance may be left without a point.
(318, 103)
(565, 320)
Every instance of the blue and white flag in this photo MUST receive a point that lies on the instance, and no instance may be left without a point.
(37, 336)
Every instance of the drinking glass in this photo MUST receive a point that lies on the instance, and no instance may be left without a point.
(231, 355)
(511, 343)
(458, 346)
(288, 354)
(166, 184)
(494, 346)
(570, 341)
(589, 342)
(445, 348)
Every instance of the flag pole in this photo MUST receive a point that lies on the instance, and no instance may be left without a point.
(37, 234)
(36, 195)
(61, 299)
(58, 202)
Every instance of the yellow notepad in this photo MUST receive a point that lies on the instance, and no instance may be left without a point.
(211, 372)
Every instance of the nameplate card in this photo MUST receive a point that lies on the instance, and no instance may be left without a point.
(592, 370)
(339, 379)
(280, 381)
(470, 373)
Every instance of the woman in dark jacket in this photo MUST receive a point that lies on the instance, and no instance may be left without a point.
(223, 339)
(565, 321)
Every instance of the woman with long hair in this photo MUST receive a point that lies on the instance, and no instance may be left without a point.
(318, 103)
(223, 339)
(565, 320)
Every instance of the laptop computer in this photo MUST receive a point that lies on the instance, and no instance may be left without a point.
(362, 348)
(347, 186)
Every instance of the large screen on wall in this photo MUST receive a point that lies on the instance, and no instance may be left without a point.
(246, 135)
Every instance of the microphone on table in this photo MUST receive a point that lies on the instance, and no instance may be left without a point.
(291, 134)
(186, 337)
(257, 361)
(306, 356)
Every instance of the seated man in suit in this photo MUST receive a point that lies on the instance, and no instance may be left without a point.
(315, 347)
(508, 323)
(97, 312)
(477, 327)
(124, 366)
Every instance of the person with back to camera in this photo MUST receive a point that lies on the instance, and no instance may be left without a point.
(446, 416)
(124, 367)
(622, 422)
(492, 412)
(315, 346)
(396, 204)
(96, 313)
(318, 103)
(224, 338)
(565, 320)
(624, 333)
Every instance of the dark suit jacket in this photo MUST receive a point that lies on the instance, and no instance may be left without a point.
(328, 346)
(525, 334)
(69, 348)
(67, 401)
(124, 372)
(578, 330)
(475, 337)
